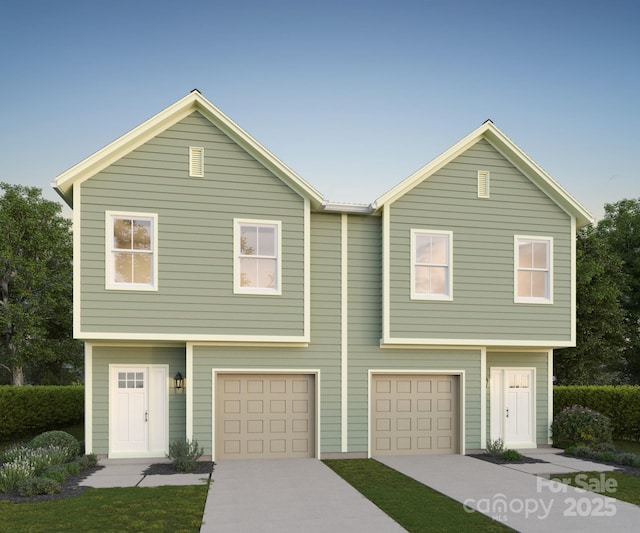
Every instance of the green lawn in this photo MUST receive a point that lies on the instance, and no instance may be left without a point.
(627, 446)
(413, 505)
(627, 487)
(171, 509)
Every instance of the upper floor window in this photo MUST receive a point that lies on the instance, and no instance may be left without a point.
(257, 266)
(132, 259)
(432, 263)
(533, 272)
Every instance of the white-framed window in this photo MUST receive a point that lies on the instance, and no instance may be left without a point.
(257, 257)
(431, 265)
(533, 279)
(132, 251)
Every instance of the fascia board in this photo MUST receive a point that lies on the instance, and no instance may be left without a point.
(430, 168)
(512, 152)
(538, 176)
(135, 138)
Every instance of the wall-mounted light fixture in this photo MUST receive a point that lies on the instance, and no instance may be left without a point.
(178, 381)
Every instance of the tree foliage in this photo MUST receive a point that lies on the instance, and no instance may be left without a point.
(600, 328)
(36, 285)
(620, 228)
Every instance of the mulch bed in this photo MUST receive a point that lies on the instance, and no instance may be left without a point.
(497, 460)
(72, 488)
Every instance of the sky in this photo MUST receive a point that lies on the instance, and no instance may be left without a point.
(352, 95)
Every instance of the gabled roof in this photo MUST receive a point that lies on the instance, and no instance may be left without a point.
(510, 151)
(146, 131)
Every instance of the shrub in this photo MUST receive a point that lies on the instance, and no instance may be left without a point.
(39, 459)
(39, 485)
(29, 410)
(87, 461)
(627, 459)
(511, 455)
(495, 447)
(64, 441)
(13, 473)
(620, 403)
(577, 425)
(72, 468)
(57, 473)
(185, 455)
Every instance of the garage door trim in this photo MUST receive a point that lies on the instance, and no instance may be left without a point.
(248, 371)
(407, 372)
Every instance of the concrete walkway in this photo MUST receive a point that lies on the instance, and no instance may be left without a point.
(288, 496)
(516, 497)
(130, 473)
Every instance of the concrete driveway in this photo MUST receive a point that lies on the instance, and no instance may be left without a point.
(288, 495)
(521, 500)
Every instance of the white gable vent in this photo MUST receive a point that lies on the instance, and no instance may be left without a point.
(196, 161)
(483, 184)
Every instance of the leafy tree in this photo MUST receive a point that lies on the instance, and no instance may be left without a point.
(600, 328)
(620, 228)
(35, 284)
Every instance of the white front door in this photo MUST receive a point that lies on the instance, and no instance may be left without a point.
(138, 411)
(513, 407)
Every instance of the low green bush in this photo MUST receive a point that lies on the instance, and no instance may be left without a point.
(511, 455)
(27, 411)
(620, 403)
(57, 473)
(72, 468)
(184, 455)
(579, 425)
(34, 486)
(13, 473)
(495, 447)
(60, 439)
(87, 461)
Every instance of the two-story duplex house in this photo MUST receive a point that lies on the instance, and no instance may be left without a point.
(424, 322)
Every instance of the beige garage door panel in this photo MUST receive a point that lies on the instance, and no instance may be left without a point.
(265, 416)
(414, 414)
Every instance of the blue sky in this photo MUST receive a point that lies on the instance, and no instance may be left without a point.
(353, 95)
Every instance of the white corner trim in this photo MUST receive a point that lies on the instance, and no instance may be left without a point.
(483, 397)
(77, 258)
(307, 270)
(549, 394)
(386, 274)
(344, 329)
(189, 391)
(88, 398)
(574, 274)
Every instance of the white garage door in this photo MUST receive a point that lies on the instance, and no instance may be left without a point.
(265, 416)
(414, 414)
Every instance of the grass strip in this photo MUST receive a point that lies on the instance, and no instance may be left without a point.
(171, 509)
(626, 487)
(413, 505)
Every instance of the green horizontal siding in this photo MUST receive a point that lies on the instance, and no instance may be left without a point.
(103, 356)
(483, 305)
(323, 353)
(365, 311)
(195, 234)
